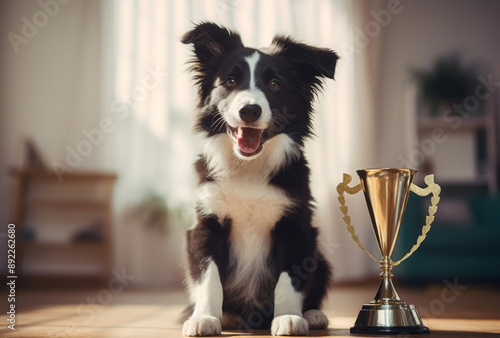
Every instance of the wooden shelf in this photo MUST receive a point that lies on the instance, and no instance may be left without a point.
(62, 245)
(41, 198)
(35, 280)
(476, 137)
(483, 180)
(473, 123)
(67, 204)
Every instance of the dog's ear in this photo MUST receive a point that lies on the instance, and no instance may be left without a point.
(211, 41)
(319, 62)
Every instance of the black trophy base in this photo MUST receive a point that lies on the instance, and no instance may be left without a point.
(389, 330)
(392, 318)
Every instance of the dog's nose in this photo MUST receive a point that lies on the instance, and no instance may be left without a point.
(250, 113)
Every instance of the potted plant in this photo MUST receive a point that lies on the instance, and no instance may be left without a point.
(448, 82)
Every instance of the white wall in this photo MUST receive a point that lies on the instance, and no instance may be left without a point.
(424, 30)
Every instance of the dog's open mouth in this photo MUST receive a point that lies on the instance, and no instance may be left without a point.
(248, 140)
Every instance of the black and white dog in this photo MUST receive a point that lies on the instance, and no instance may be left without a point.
(253, 259)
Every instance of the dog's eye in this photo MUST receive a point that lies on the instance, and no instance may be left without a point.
(274, 85)
(231, 82)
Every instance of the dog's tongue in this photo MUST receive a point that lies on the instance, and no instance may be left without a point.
(249, 139)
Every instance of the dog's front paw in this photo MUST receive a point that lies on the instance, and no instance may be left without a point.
(201, 326)
(289, 325)
(316, 319)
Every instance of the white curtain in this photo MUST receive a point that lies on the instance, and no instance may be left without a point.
(150, 96)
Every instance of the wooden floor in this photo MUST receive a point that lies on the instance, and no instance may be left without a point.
(446, 310)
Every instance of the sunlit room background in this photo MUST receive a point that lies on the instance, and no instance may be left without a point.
(96, 146)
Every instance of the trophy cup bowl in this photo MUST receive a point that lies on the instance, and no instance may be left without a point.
(386, 193)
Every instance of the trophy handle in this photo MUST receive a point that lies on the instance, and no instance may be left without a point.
(435, 189)
(344, 187)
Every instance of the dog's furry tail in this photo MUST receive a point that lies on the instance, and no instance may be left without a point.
(186, 313)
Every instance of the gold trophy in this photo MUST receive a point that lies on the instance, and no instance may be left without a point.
(386, 192)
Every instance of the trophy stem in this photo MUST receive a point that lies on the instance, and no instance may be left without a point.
(386, 266)
(386, 293)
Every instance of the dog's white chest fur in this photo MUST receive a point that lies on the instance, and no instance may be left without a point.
(253, 206)
(241, 192)
(250, 204)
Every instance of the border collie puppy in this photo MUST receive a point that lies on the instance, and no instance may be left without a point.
(253, 259)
